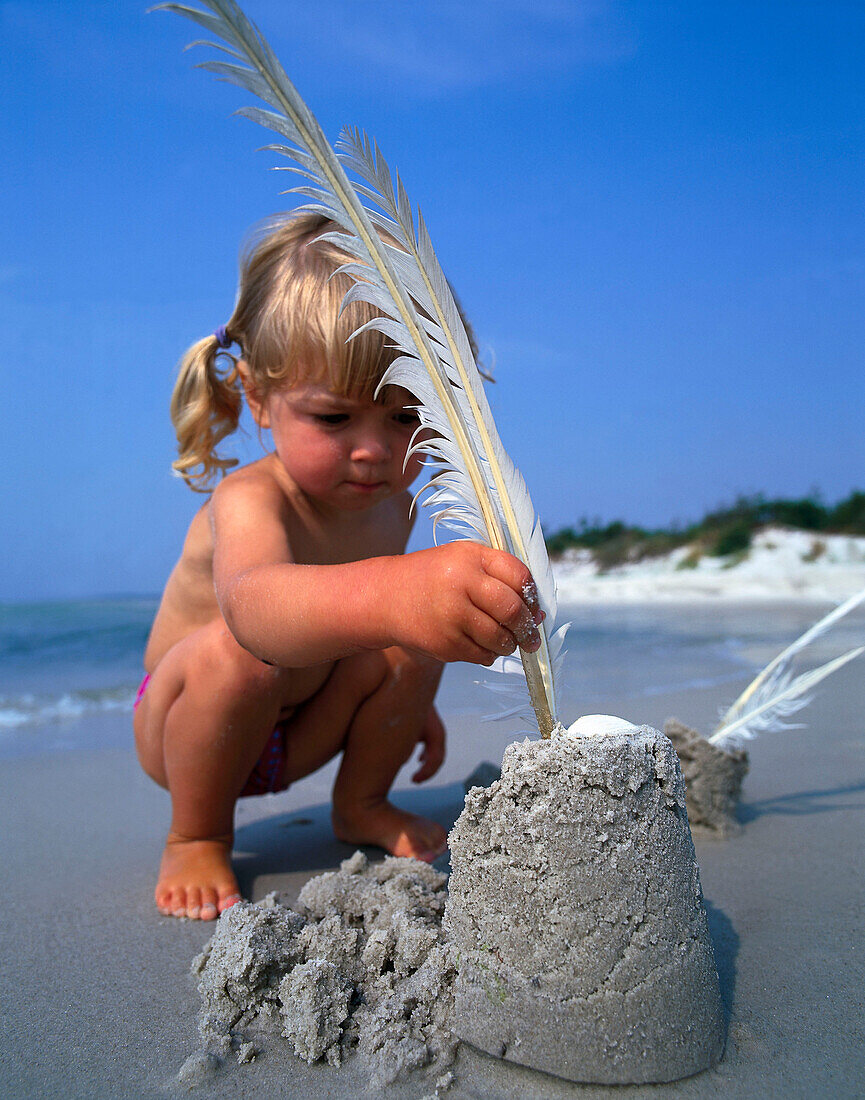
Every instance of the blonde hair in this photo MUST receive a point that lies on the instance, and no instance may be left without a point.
(288, 324)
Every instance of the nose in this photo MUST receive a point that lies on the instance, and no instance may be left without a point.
(371, 446)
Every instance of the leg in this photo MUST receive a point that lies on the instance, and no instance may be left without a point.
(373, 707)
(381, 738)
(203, 721)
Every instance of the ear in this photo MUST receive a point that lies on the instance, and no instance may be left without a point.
(257, 404)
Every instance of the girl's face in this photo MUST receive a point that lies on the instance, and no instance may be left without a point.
(343, 452)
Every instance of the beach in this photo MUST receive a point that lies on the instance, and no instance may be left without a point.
(96, 993)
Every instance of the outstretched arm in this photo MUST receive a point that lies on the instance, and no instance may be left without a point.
(460, 602)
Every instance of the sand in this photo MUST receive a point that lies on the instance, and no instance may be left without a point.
(781, 564)
(713, 778)
(574, 937)
(96, 998)
(361, 966)
(576, 907)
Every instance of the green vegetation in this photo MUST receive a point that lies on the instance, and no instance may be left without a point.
(726, 531)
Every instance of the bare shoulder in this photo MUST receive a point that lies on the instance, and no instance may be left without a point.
(251, 521)
(252, 487)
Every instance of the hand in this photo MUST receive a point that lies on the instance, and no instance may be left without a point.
(465, 602)
(432, 737)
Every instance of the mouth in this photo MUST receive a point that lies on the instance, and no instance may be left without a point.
(366, 486)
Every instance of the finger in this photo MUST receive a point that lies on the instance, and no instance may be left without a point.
(429, 765)
(528, 637)
(516, 575)
(506, 604)
(505, 621)
(475, 654)
(489, 633)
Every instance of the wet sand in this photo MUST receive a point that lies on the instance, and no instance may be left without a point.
(96, 998)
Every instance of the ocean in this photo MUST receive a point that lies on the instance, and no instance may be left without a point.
(66, 660)
(69, 660)
(70, 669)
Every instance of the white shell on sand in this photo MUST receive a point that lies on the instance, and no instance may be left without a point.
(598, 725)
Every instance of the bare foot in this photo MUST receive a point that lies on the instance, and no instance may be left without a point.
(195, 878)
(398, 832)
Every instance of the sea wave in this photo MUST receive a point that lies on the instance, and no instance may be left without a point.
(31, 710)
(88, 632)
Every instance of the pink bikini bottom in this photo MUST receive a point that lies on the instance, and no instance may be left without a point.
(267, 777)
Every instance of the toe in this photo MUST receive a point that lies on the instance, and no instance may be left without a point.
(226, 901)
(177, 904)
(434, 841)
(193, 902)
(209, 900)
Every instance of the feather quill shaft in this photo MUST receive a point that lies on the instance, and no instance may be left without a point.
(367, 162)
(476, 484)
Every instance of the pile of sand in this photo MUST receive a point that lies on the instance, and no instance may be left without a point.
(361, 965)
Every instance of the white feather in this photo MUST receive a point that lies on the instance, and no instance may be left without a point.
(778, 665)
(777, 698)
(476, 488)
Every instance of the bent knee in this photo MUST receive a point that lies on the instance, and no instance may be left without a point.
(365, 671)
(414, 671)
(220, 660)
(148, 745)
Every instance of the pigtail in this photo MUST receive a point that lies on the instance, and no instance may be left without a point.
(205, 408)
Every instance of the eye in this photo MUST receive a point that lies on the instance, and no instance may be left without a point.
(332, 419)
(408, 418)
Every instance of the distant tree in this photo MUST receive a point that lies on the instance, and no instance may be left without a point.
(727, 529)
(848, 516)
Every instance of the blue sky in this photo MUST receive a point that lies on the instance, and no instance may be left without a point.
(652, 212)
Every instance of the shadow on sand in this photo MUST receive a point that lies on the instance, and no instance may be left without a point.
(303, 840)
(725, 941)
(803, 803)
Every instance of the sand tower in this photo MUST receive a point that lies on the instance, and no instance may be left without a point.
(713, 778)
(576, 906)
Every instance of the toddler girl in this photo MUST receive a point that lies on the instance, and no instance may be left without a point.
(294, 627)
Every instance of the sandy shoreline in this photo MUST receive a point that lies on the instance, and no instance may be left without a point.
(97, 1001)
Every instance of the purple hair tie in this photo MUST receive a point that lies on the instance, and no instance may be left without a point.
(222, 337)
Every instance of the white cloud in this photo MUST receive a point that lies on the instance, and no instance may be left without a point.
(454, 45)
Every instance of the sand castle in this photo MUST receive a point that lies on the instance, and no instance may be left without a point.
(715, 766)
(713, 778)
(576, 907)
(361, 966)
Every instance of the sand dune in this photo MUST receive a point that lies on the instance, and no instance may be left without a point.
(781, 564)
